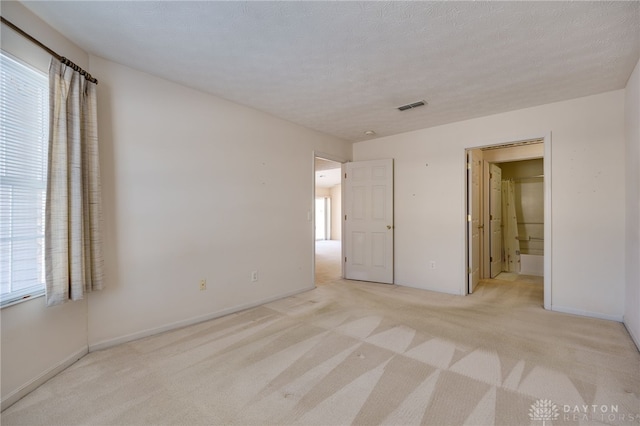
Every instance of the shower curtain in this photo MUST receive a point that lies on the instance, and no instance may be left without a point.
(510, 228)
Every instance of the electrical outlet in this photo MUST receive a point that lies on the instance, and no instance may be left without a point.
(203, 285)
(254, 276)
(432, 264)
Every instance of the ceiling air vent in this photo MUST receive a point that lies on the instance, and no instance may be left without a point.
(411, 106)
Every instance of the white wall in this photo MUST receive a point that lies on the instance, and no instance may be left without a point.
(588, 190)
(196, 187)
(632, 133)
(322, 192)
(38, 341)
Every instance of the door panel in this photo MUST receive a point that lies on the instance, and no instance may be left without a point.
(473, 184)
(378, 249)
(378, 193)
(495, 217)
(358, 249)
(358, 202)
(369, 221)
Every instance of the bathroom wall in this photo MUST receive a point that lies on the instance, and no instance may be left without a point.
(529, 189)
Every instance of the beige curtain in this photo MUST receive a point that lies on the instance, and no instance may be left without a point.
(73, 235)
(510, 228)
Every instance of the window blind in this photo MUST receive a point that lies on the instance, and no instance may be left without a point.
(24, 127)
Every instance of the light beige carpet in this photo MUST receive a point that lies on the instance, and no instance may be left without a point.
(359, 353)
(328, 264)
(512, 276)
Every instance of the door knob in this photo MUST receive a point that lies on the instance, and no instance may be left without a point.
(389, 227)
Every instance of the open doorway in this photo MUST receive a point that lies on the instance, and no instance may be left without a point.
(328, 223)
(522, 218)
(508, 214)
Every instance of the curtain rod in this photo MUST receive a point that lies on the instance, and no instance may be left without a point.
(37, 42)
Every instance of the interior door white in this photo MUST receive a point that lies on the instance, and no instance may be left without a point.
(474, 162)
(368, 207)
(495, 219)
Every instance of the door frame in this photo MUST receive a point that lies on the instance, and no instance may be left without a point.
(474, 197)
(548, 234)
(486, 201)
(311, 213)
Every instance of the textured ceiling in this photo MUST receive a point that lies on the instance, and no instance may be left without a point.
(344, 67)
(322, 164)
(328, 173)
(328, 178)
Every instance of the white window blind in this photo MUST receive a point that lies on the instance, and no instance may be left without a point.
(24, 127)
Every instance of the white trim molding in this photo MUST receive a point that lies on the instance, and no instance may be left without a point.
(105, 344)
(583, 313)
(636, 339)
(32, 385)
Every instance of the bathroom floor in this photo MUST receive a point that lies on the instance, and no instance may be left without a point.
(512, 276)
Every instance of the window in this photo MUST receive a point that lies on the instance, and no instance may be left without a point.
(24, 128)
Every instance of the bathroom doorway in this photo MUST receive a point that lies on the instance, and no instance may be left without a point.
(521, 205)
(508, 214)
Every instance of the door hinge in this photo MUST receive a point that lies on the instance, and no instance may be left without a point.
(468, 218)
(491, 259)
(490, 175)
(345, 260)
(345, 175)
(468, 270)
(490, 217)
(345, 217)
(468, 166)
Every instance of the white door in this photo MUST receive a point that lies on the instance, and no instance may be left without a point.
(368, 191)
(474, 161)
(495, 219)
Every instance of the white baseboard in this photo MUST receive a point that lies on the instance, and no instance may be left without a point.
(190, 321)
(23, 390)
(599, 315)
(635, 338)
(455, 292)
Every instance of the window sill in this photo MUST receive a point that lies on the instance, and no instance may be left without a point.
(26, 297)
